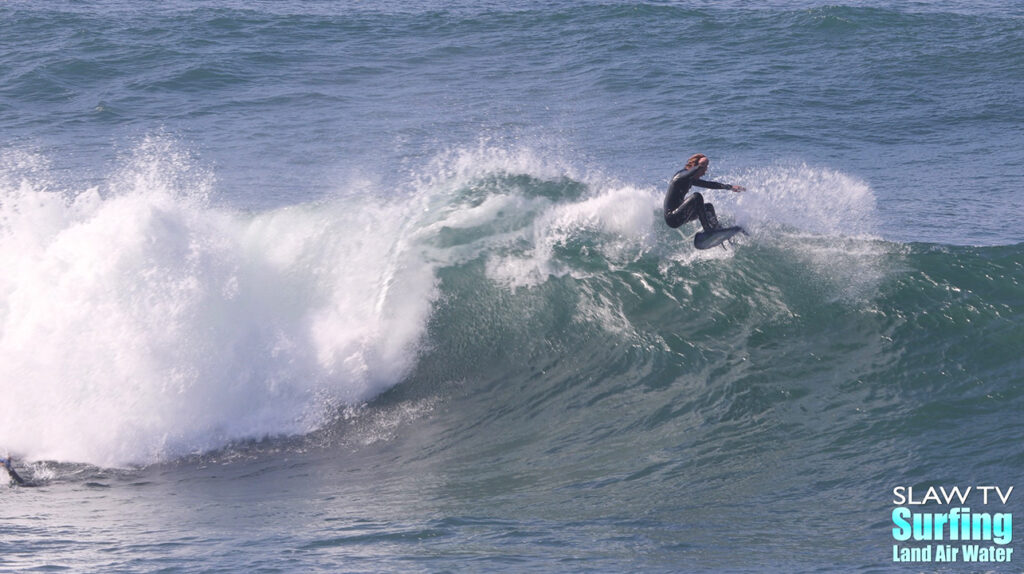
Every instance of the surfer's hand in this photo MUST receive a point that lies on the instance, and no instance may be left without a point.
(737, 188)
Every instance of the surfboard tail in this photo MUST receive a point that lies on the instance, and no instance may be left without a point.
(715, 237)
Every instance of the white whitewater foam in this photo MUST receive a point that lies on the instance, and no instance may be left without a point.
(138, 323)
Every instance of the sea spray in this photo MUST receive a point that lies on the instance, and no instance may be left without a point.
(141, 323)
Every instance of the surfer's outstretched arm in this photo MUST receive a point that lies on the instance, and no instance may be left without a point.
(717, 185)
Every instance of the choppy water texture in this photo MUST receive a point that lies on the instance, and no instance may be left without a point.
(379, 287)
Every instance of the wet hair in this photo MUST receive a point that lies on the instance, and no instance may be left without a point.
(693, 160)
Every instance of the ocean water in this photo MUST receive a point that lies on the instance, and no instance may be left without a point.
(385, 286)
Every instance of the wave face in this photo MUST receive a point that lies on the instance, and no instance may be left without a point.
(142, 323)
(585, 337)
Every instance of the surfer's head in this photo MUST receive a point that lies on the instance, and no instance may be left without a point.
(695, 159)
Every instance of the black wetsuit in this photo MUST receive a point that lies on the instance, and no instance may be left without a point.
(680, 209)
(6, 462)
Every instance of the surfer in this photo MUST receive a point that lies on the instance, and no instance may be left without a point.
(679, 208)
(6, 462)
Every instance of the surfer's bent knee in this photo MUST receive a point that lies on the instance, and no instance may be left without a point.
(687, 211)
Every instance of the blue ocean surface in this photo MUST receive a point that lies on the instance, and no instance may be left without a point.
(386, 286)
